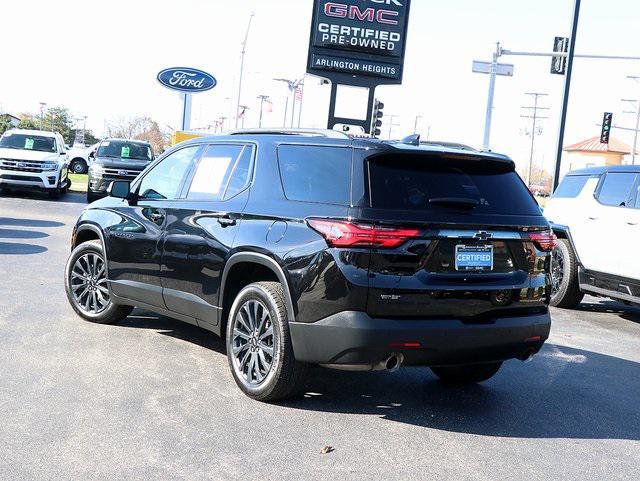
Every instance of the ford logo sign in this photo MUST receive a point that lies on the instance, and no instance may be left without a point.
(185, 79)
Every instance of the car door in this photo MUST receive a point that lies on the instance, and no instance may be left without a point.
(607, 227)
(134, 250)
(201, 231)
(631, 234)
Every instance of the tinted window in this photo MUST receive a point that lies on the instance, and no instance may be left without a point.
(616, 188)
(427, 183)
(571, 186)
(28, 142)
(241, 174)
(214, 172)
(124, 150)
(166, 178)
(316, 174)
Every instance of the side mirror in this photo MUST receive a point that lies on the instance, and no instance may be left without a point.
(92, 155)
(63, 153)
(120, 189)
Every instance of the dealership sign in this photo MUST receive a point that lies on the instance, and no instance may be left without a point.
(185, 79)
(359, 39)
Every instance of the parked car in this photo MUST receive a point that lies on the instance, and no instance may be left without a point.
(595, 213)
(116, 159)
(80, 158)
(314, 248)
(34, 159)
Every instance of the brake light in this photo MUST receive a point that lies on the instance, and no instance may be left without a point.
(339, 233)
(545, 241)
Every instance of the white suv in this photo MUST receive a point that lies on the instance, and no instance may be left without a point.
(596, 215)
(34, 159)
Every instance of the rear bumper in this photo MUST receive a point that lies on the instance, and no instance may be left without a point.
(355, 338)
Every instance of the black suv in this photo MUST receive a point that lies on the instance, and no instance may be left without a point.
(116, 159)
(315, 248)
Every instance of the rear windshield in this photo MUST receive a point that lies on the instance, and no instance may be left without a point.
(421, 184)
(28, 142)
(124, 150)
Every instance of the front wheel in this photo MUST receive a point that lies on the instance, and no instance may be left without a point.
(86, 285)
(259, 346)
(467, 374)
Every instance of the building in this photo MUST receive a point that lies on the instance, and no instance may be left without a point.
(13, 120)
(592, 153)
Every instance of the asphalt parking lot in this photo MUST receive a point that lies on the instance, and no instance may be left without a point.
(153, 398)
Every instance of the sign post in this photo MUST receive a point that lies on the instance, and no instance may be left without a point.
(187, 81)
(358, 44)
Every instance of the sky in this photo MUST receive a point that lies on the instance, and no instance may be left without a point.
(101, 58)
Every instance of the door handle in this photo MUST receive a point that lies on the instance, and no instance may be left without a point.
(592, 218)
(632, 223)
(226, 221)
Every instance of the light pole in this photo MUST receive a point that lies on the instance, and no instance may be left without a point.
(292, 85)
(415, 125)
(244, 50)
(492, 88)
(567, 89)
(262, 100)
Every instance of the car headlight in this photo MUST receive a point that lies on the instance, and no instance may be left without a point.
(49, 166)
(96, 170)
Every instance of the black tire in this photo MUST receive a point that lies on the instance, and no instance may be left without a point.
(566, 291)
(284, 376)
(91, 197)
(54, 193)
(467, 374)
(78, 166)
(112, 312)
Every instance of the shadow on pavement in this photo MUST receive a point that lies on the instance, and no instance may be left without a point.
(626, 312)
(21, 234)
(69, 198)
(16, 248)
(4, 221)
(563, 393)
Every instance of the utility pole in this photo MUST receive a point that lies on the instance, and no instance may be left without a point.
(391, 124)
(535, 117)
(415, 125)
(262, 100)
(637, 112)
(244, 51)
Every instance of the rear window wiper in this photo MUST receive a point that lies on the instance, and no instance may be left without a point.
(455, 202)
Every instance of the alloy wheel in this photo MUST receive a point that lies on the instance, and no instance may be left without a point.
(253, 343)
(557, 270)
(88, 284)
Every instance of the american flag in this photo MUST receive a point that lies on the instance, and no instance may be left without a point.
(299, 93)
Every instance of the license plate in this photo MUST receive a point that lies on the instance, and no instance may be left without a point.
(474, 258)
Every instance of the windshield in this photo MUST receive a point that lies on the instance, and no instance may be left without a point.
(124, 150)
(437, 184)
(28, 142)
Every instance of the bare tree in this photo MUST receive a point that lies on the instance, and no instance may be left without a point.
(141, 128)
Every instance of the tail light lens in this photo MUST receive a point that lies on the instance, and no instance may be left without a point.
(545, 241)
(347, 234)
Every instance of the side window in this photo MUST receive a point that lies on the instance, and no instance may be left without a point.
(571, 186)
(637, 194)
(215, 171)
(316, 174)
(616, 188)
(165, 179)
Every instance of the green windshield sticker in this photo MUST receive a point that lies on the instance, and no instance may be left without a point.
(125, 152)
(28, 144)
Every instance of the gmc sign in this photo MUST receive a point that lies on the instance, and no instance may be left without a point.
(359, 37)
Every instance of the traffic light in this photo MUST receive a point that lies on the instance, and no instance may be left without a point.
(607, 123)
(559, 63)
(376, 117)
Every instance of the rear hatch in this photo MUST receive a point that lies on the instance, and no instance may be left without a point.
(473, 244)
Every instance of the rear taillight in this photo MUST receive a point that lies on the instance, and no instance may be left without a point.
(545, 241)
(348, 234)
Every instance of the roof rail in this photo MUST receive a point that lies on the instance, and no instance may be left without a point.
(331, 134)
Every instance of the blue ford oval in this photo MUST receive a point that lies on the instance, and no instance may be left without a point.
(185, 79)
